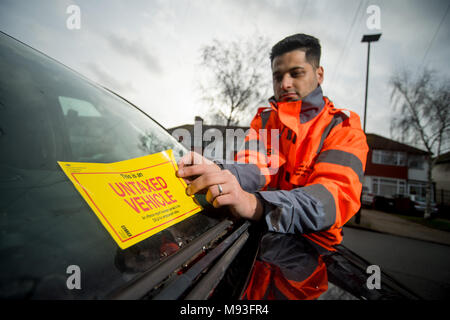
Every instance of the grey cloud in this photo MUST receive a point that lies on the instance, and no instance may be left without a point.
(134, 49)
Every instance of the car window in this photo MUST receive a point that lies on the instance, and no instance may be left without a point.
(48, 113)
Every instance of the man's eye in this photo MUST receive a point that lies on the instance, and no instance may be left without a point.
(297, 74)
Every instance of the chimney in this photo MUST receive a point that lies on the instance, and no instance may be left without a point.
(197, 118)
(198, 135)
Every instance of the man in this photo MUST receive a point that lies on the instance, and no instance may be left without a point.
(308, 180)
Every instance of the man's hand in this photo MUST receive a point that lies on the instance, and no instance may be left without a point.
(192, 165)
(204, 176)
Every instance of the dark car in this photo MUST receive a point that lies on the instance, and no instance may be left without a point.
(49, 113)
(384, 203)
(420, 204)
(402, 204)
(411, 205)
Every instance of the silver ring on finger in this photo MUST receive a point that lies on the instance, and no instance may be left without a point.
(220, 189)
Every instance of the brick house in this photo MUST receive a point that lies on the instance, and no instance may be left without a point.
(395, 168)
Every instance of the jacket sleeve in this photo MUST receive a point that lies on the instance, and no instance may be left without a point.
(331, 195)
(258, 160)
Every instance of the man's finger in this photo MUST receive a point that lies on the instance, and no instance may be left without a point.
(205, 181)
(214, 191)
(189, 171)
(187, 159)
(224, 200)
(193, 158)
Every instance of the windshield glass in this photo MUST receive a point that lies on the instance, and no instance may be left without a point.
(48, 113)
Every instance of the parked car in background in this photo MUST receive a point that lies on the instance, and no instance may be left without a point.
(420, 204)
(404, 204)
(383, 203)
(49, 113)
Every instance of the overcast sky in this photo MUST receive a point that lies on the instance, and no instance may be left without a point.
(148, 51)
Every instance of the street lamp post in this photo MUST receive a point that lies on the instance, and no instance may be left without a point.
(366, 38)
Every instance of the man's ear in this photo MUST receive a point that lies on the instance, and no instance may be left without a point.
(319, 74)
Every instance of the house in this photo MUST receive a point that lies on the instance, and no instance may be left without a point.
(392, 167)
(395, 168)
(441, 176)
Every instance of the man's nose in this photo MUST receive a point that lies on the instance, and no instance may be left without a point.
(286, 82)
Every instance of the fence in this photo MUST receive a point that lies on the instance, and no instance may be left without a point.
(443, 197)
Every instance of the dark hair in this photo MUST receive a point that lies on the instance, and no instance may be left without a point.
(299, 41)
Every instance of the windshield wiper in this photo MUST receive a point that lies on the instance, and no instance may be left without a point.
(180, 284)
(145, 283)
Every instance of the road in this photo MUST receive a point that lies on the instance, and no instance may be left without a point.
(422, 266)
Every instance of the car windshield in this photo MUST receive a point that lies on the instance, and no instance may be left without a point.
(49, 113)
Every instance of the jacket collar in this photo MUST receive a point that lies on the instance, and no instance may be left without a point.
(308, 108)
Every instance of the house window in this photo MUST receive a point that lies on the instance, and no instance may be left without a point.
(401, 159)
(393, 158)
(416, 162)
(388, 187)
(418, 189)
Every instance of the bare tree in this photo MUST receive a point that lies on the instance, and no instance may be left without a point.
(423, 115)
(238, 77)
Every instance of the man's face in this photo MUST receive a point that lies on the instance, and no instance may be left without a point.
(294, 77)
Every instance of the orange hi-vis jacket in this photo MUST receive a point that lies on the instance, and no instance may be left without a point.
(306, 167)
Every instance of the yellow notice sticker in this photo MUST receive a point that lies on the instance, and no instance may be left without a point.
(135, 198)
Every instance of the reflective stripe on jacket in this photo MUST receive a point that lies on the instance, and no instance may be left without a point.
(313, 158)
